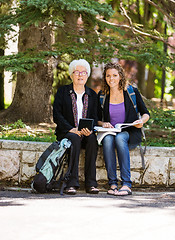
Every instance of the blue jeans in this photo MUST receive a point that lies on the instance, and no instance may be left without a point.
(120, 142)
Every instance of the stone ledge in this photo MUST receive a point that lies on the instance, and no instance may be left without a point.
(18, 160)
(24, 145)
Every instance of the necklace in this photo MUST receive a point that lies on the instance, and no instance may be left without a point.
(117, 97)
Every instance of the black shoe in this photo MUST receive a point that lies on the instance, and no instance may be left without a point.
(71, 191)
(92, 190)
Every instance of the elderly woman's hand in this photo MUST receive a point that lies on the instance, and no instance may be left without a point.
(75, 130)
(85, 132)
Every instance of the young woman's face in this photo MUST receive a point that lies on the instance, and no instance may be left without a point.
(112, 78)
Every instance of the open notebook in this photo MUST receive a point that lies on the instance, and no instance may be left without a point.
(102, 132)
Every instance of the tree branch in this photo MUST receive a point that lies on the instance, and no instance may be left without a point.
(129, 19)
(137, 31)
(172, 19)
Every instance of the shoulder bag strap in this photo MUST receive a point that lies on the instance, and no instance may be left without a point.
(132, 97)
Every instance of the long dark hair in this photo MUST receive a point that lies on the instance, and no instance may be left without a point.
(122, 82)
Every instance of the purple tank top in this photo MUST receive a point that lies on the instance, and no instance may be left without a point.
(117, 113)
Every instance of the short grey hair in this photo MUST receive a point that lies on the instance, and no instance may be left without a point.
(80, 62)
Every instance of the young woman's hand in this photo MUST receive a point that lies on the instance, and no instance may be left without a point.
(85, 132)
(107, 125)
(138, 123)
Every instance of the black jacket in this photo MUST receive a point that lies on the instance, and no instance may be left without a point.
(130, 114)
(63, 113)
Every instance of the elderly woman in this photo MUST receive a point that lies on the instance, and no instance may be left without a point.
(118, 108)
(73, 102)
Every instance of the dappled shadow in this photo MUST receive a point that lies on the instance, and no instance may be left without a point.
(137, 200)
(163, 200)
(9, 203)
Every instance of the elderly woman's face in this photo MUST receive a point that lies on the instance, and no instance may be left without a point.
(79, 75)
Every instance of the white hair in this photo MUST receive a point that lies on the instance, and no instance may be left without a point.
(80, 62)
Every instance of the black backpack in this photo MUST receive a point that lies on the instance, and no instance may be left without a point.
(53, 167)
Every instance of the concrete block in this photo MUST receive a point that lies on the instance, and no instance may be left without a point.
(135, 177)
(172, 178)
(160, 151)
(136, 162)
(101, 174)
(157, 171)
(29, 157)
(27, 172)
(9, 164)
(24, 145)
(172, 163)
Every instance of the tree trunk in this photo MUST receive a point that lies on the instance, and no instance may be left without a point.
(163, 71)
(141, 78)
(150, 84)
(1, 84)
(31, 102)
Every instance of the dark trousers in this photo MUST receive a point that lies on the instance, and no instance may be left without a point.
(91, 148)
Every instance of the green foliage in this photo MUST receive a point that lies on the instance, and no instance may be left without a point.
(20, 131)
(160, 129)
(164, 119)
(89, 6)
(94, 47)
(61, 75)
(148, 53)
(18, 124)
(53, 12)
(38, 138)
(173, 89)
(24, 61)
(160, 142)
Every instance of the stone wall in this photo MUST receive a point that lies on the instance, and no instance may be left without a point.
(18, 160)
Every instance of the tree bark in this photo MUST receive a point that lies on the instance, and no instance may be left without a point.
(150, 84)
(1, 84)
(141, 77)
(31, 102)
(163, 71)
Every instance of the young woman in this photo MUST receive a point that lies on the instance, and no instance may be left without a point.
(118, 108)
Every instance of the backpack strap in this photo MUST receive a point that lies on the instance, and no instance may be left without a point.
(68, 173)
(132, 97)
(45, 154)
(102, 102)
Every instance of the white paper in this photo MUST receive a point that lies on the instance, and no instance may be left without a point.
(101, 129)
(102, 132)
(123, 125)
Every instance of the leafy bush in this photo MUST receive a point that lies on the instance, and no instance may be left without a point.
(164, 119)
(160, 129)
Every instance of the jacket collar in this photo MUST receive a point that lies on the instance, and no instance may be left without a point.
(87, 89)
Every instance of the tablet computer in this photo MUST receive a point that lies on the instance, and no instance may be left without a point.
(86, 123)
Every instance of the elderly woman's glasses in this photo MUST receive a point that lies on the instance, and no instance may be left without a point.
(77, 73)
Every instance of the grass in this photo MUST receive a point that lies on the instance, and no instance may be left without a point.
(20, 131)
(43, 138)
